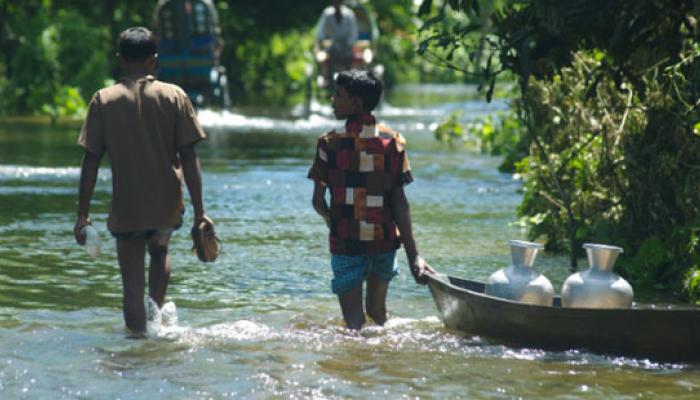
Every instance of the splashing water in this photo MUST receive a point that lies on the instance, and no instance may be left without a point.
(261, 321)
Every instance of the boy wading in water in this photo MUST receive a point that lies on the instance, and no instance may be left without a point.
(148, 128)
(364, 166)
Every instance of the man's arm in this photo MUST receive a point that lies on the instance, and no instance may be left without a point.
(402, 216)
(320, 34)
(319, 202)
(193, 179)
(352, 35)
(88, 178)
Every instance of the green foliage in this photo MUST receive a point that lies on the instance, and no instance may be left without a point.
(282, 57)
(450, 131)
(267, 46)
(67, 102)
(82, 53)
(500, 134)
(457, 36)
(573, 175)
(30, 88)
(58, 58)
(4, 85)
(609, 99)
(692, 285)
(48, 45)
(396, 46)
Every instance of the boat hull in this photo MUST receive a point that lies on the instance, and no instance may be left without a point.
(662, 335)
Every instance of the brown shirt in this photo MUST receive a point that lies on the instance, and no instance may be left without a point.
(141, 125)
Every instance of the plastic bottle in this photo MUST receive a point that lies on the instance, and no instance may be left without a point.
(92, 241)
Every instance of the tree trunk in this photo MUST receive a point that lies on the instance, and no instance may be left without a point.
(573, 261)
(108, 7)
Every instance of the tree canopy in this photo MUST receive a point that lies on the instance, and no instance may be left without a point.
(56, 53)
(610, 120)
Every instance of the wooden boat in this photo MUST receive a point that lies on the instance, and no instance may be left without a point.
(656, 334)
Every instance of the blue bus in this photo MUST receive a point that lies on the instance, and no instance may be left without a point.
(189, 50)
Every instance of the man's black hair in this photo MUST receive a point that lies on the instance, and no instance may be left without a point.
(137, 44)
(362, 84)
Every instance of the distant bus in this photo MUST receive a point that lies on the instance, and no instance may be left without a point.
(189, 50)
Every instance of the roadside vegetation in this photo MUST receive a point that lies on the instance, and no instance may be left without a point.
(56, 53)
(605, 122)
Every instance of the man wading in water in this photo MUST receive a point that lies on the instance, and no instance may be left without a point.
(364, 166)
(337, 24)
(148, 128)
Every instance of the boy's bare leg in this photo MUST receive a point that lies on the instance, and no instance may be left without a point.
(131, 253)
(159, 268)
(377, 289)
(351, 305)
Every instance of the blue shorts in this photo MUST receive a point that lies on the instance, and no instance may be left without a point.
(348, 271)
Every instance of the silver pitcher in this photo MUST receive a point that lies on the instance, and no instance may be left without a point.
(598, 286)
(520, 282)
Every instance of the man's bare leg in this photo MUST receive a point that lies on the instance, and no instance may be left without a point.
(351, 305)
(159, 267)
(377, 289)
(131, 253)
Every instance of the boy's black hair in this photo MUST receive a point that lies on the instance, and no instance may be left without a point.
(363, 84)
(137, 44)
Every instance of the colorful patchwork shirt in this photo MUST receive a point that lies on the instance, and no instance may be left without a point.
(361, 163)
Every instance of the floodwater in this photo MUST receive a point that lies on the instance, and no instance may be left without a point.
(261, 322)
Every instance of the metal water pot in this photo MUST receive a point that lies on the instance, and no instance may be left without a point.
(520, 282)
(598, 286)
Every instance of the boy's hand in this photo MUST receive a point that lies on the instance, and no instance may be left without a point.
(82, 222)
(418, 268)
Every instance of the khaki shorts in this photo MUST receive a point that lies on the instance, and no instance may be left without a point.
(147, 234)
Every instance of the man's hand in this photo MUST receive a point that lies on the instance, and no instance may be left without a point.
(204, 218)
(418, 268)
(80, 224)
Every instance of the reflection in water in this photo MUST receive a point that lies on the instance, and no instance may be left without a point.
(261, 322)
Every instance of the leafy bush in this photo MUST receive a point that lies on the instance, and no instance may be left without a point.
(450, 131)
(84, 52)
(59, 63)
(499, 134)
(692, 285)
(67, 102)
(283, 57)
(574, 175)
(610, 113)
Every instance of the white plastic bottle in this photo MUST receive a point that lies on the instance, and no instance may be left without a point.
(92, 241)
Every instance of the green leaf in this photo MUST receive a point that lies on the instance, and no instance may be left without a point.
(696, 129)
(425, 7)
(598, 55)
(475, 7)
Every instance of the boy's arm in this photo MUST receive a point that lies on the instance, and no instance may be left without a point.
(193, 180)
(402, 216)
(88, 178)
(319, 202)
